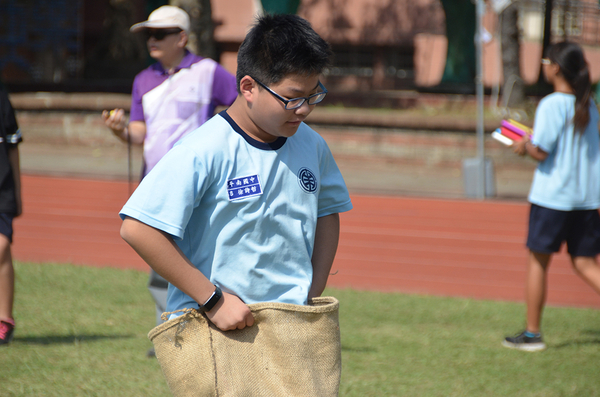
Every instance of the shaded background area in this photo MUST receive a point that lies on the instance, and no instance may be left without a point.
(380, 46)
(79, 45)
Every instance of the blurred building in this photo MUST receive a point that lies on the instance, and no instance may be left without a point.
(379, 45)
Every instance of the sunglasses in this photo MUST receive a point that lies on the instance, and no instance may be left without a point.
(160, 34)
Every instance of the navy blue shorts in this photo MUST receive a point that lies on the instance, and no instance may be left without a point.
(548, 229)
(6, 228)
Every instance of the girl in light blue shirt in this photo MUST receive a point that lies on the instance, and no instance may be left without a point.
(565, 193)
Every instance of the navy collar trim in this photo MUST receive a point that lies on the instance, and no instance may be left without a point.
(276, 144)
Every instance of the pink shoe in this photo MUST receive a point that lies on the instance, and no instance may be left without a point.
(7, 326)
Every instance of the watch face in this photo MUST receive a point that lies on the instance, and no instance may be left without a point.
(212, 301)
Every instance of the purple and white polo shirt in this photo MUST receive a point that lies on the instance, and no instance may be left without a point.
(173, 105)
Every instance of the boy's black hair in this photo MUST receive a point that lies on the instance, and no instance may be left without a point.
(279, 45)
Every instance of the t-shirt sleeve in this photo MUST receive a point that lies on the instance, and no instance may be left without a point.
(10, 128)
(333, 195)
(165, 198)
(224, 89)
(136, 112)
(549, 122)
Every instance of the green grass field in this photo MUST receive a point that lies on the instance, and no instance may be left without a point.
(81, 331)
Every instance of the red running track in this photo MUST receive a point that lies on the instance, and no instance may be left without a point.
(414, 245)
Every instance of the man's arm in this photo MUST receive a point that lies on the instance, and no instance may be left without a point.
(164, 256)
(13, 158)
(327, 235)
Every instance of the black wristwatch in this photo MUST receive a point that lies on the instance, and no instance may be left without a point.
(212, 301)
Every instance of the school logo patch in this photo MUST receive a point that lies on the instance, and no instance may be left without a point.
(307, 180)
(244, 187)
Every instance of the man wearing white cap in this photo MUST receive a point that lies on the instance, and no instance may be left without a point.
(170, 99)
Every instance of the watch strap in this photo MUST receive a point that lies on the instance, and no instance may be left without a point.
(212, 300)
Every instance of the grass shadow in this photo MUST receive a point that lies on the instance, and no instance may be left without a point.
(66, 339)
(594, 339)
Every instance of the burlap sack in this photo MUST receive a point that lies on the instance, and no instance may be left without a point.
(290, 350)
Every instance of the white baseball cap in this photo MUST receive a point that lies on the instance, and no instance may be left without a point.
(165, 17)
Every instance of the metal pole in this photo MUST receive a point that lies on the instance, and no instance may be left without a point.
(480, 11)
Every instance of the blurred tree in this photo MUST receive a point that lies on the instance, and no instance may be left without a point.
(513, 91)
(202, 28)
(152, 5)
(460, 32)
(280, 6)
(119, 54)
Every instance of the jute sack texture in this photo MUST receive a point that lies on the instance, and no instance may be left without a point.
(291, 350)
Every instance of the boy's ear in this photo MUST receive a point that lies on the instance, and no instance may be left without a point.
(248, 88)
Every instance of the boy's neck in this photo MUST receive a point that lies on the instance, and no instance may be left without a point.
(238, 113)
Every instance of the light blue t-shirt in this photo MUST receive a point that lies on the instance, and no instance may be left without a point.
(242, 211)
(569, 178)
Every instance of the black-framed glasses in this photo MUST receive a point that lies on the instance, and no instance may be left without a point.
(295, 103)
(160, 34)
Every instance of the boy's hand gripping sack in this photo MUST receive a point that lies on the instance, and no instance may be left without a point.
(291, 350)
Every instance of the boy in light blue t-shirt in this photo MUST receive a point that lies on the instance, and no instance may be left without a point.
(245, 208)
